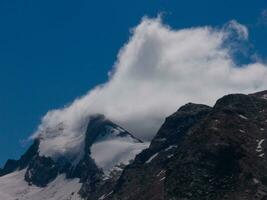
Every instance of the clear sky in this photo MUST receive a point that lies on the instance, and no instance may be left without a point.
(53, 51)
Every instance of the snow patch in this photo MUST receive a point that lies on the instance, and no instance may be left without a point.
(162, 179)
(161, 172)
(152, 157)
(112, 150)
(243, 117)
(259, 147)
(104, 196)
(171, 147)
(14, 187)
(256, 181)
(261, 155)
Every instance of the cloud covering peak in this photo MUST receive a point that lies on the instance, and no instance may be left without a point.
(157, 70)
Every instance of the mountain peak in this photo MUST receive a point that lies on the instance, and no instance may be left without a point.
(100, 127)
(106, 145)
(220, 154)
(110, 144)
(200, 152)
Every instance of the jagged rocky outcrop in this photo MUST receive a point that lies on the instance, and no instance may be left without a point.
(227, 155)
(12, 165)
(220, 156)
(92, 177)
(144, 178)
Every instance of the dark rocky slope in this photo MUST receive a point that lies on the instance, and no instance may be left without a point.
(143, 179)
(214, 154)
(23, 162)
(223, 157)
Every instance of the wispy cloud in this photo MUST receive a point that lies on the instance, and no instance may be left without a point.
(157, 70)
(262, 20)
(239, 30)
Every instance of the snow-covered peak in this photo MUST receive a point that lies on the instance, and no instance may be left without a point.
(104, 148)
(61, 142)
(115, 148)
(111, 144)
(107, 143)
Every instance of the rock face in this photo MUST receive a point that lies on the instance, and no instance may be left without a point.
(91, 175)
(144, 178)
(199, 153)
(223, 157)
(219, 155)
(12, 165)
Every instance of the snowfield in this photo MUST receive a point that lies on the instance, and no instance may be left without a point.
(13, 187)
(112, 149)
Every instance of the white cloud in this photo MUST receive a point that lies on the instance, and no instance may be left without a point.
(234, 27)
(158, 70)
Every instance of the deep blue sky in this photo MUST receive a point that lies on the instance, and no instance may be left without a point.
(52, 51)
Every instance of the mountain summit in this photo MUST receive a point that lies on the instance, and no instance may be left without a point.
(199, 153)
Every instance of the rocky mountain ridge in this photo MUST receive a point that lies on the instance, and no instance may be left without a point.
(200, 152)
(220, 156)
(41, 171)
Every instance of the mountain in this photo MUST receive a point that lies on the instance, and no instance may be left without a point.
(150, 166)
(108, 148)
(199, 153)
(217, 153)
